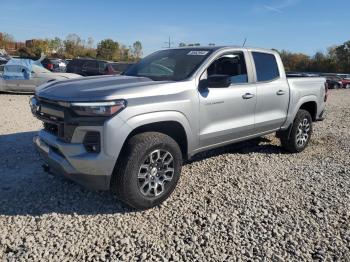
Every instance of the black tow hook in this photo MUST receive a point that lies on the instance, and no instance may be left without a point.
(46, 168)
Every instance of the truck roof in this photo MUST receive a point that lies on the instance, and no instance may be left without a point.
(214, 48)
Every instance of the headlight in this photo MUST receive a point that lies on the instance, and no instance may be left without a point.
(98, 108)
(34, 105)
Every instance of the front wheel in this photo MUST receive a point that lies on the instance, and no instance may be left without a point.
(149, 170)
(300, 134)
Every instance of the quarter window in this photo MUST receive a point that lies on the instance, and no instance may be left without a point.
(266, 66)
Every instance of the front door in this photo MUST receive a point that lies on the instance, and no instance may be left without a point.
(227, 113)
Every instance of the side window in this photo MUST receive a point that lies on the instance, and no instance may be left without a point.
(266, 66)
(103, 66)
(231, 64)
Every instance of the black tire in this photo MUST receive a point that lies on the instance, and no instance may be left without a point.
(291, 142)
(125, 182)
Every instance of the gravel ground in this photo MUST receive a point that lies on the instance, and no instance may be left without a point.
(250, 201)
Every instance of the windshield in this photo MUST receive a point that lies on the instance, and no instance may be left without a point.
(172, 64)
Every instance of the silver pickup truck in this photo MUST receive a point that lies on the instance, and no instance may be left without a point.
(131, 133)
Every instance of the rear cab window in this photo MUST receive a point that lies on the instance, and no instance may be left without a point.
(266, 66)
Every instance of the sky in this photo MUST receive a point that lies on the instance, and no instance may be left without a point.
(304, 26)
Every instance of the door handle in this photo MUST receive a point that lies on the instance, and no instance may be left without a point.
(248, 96)
(280, 92)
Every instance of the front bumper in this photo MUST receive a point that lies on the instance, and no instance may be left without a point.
(71, 159)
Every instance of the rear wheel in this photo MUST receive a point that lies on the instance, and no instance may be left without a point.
(149, 171)
(300, 133)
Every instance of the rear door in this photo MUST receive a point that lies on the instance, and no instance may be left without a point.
(227, 113)
(272, 92)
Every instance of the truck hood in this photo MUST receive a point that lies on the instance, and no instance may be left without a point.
(67, 75)
(97, 88)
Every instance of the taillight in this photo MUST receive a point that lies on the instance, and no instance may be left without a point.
(50, 66)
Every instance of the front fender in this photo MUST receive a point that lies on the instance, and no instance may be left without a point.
(154, 117)
(116, 130)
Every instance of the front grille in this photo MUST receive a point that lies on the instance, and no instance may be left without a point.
(61, 121)
(53, 117)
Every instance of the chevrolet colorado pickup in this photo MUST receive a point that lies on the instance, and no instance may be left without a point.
(130, 133)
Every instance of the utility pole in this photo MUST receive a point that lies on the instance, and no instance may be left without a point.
(168, 43)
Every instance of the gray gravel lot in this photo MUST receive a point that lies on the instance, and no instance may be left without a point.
(251, 201)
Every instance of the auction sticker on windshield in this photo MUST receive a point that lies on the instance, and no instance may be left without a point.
(197, 53)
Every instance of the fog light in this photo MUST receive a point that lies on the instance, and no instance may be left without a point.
(92, 142)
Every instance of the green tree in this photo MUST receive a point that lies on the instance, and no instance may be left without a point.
(73, 45)
(295, 61)
(124, 53)
(56, 45)
(5, 39)
(342, 57)
(36, 48)
(25, 52)
(108, 49)
(137, 50)
(90, 43)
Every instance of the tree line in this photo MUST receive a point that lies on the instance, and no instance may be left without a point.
(335, 60)
(74, 46)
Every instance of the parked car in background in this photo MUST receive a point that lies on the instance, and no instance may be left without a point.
(1, 70)
(116, 68)
(130, 133)
(334, 82)
(54, 64)
(2, 61)
(345, 80)
(24, 75)
(301, 74)
(4, 57)
(87, 67)
(93, 67)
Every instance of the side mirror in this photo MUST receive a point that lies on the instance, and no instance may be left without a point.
(218, 81)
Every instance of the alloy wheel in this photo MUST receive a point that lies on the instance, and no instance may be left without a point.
(155, 172)
(303, 132)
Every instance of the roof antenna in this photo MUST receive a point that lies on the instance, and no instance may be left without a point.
(245, 40)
